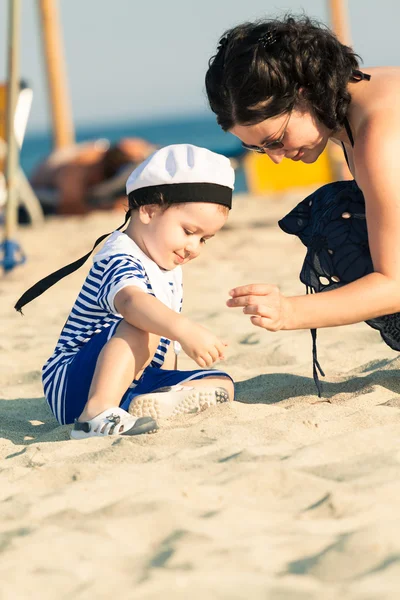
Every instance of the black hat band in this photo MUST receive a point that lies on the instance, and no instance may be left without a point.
(177, 193)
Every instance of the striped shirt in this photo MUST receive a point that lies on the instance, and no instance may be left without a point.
(120, 263)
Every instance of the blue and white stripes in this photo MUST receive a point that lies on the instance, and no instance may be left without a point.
(93, 312)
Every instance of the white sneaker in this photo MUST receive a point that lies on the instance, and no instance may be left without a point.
(113, 421)
(168, 402)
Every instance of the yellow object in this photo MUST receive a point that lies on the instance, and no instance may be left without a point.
(263, 175)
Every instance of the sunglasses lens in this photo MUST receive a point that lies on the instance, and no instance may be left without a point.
(261, 149)
(252, 148)
(274, 145)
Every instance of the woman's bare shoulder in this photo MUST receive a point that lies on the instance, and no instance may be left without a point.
(374, 111)
(379, 93)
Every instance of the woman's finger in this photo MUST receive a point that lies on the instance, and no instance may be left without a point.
(258, 309)
(254, 289)
(265, 323)
(244, 300)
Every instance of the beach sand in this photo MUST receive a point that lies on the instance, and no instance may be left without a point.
(279, 495)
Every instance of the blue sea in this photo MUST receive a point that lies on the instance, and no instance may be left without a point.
(199, 130)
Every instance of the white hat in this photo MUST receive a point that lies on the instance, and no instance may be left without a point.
(182, 173)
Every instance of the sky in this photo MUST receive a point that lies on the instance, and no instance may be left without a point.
(141, 60)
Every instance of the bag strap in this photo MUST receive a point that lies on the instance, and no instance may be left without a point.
(47, 282)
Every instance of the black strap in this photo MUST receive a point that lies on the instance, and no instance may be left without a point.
(47, 282)
(345, 155)
(360, 76)
(348, 131)
(316, 366)
(350, 135)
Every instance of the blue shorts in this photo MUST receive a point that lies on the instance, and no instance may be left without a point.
(81, 370)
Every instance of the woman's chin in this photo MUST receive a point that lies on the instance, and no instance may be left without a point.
(310, 156)
(308, 159)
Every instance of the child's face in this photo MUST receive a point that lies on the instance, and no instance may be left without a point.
(177, 235)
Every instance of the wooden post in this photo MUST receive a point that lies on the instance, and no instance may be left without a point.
(339, 22)
(339, 19)
(63, 129)
(12, 157)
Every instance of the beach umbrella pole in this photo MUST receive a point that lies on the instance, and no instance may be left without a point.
(63, 128)
(11, 251)
(340, 24)
(339, 18)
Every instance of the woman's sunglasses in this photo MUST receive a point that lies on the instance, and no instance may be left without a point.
(273, 145)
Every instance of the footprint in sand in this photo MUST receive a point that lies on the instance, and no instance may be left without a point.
(251, 339)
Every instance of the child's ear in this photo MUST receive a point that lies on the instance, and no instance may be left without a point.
(147, 212)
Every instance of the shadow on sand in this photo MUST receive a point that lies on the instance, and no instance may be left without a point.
(276, 387)
(29, 420)
(26, 421)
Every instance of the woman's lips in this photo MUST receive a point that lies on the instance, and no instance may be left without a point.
(298, 156)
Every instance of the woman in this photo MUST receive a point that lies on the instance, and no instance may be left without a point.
(286, 87)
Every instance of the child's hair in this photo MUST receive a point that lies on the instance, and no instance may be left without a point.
(261, 68)
(156, 197)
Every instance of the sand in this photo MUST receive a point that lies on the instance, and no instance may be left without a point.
(279, 495)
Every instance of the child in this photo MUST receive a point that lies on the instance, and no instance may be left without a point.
(106, 374)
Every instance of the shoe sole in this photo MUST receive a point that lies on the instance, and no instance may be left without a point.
(169, 403)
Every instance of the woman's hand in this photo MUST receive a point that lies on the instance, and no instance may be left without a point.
(265, 303)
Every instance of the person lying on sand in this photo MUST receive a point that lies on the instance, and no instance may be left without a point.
(88, 176)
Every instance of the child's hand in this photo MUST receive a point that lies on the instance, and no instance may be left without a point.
(202, 345)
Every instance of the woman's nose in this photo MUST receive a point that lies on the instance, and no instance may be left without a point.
(276, 157)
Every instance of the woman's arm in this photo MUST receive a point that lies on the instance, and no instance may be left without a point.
(371, 296)
(376, 154)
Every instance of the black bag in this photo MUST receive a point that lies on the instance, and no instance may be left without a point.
(331, 223)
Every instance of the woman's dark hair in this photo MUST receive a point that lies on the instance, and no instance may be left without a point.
(260, 68)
